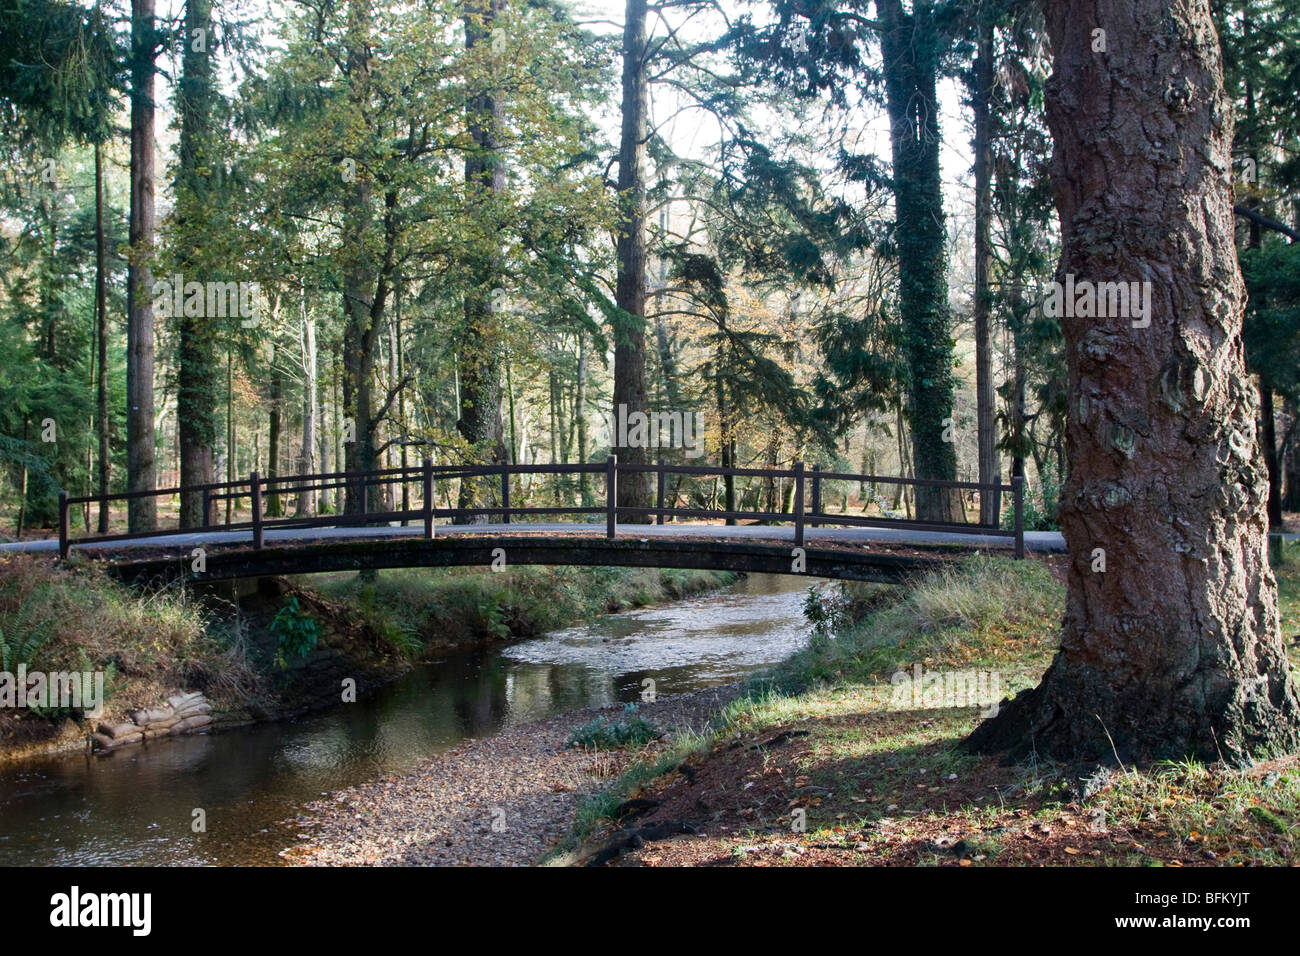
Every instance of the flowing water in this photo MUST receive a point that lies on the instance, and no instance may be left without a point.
(137, 806)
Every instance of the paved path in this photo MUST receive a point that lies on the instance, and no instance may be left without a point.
(1041, 541)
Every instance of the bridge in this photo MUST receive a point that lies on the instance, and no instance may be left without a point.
(805, 537)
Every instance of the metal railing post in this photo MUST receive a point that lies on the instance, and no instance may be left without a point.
(428, 497)
(659, 502)
(798, 504)
(255, 484)
(611, 496)
(505, 493)
(63, 525)
(1018, 496)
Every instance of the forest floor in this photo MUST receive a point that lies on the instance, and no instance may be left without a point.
(834, 763)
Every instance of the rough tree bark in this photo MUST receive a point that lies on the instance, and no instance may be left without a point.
(141, 475)
(630, 289)
(1174, 649)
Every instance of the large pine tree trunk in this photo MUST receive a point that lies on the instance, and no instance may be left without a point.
(196, 392)
(630, 290)
(1174, 649)
(910, 45)
(142, 513)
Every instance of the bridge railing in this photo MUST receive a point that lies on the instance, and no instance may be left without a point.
(359, 488)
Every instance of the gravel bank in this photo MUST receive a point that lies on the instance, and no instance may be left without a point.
(497, 801)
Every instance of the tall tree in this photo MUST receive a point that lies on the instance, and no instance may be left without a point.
(196, 389)
(985, 387)
(911, 47)
(1174, 649)
(141, 471)
(480, 349)
(630, 290)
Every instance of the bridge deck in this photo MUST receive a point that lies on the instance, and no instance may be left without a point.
(872, 554)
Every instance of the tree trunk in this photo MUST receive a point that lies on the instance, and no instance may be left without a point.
(101, 341)
(142, 513)
(365, 285)
(1291, 460)
(985, 392)
(306, 504)
(1174, 650)
(580, 414)
(196, 390)
(230, 424)
(275, 432)
(399, 357)
(911, 50)
(480, 421)
(1268, 442)
(630, 290)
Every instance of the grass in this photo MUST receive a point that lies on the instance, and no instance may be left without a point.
(75, 618)
(985, 612)
(888, 783)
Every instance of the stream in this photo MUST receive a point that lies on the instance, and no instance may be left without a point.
(136, 806)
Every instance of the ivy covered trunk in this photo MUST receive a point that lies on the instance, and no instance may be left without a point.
(1174, 648)
(911, 49)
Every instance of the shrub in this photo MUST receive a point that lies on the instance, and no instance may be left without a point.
(604, 733)
(296, 632)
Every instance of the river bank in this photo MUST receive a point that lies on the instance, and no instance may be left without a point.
(847, 754)
(503, 800)
(278, 649)
(135, 806)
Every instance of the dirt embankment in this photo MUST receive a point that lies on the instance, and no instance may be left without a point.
(236, 678)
